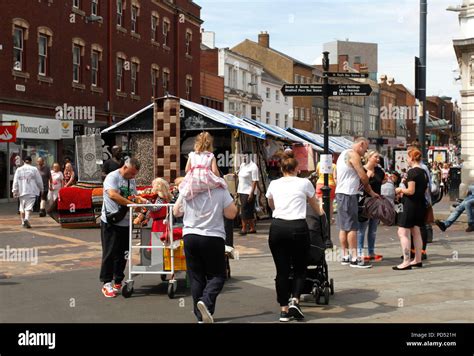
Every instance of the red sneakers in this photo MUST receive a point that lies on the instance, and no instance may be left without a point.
(374, 258)
(117, 287)
(108, 291)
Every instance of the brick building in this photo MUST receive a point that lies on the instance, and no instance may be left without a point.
(287, 69)
(212, 85)
(441, 124)
(108, 58)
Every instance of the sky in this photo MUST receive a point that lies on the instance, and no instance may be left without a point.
(299, 28)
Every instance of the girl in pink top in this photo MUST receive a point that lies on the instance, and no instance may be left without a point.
(202, 173)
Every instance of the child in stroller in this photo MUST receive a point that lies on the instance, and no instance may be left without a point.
(317, 282)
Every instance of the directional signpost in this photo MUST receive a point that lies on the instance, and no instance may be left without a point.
(302, 90)
(326, 90)
(347, 75)
(350, 90)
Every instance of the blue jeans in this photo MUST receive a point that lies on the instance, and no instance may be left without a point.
(372, 224)
(467, 204)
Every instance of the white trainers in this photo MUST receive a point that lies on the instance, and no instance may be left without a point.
(229, 250)
(108, 291)
(206, 316)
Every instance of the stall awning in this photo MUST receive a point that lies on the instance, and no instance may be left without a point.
(119, 126)
(278, 132)
(334, 145)
(226, 119)
(223, 118)
(435, 123)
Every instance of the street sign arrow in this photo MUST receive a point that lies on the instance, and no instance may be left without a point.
(302, 90)
(350, 90)
(347, 75)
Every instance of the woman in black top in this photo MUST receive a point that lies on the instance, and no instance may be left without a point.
(414, 211)
(376, 179)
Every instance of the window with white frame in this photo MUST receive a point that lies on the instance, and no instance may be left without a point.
(95, 57)
(296, 113)
(76, 63)
(18, 49)
(155, 75)
(189, 85)
(277, 94)
(166, 30)
(135, 67)
(286, 121)
(43, 55)
(302, 116)
(268, 93)
(231, 107)
(76, 4)
(154, 24)
(233, 77)
(267, 117)
(134, 13)
(253, 112)
(120, 77)
(286, 100)
(120, 13)
(95, 7)
(308, 114)
(189, 38)
(166, 80)
(277, 119)
(244, 81)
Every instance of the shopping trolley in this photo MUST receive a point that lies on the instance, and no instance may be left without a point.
(156, 257)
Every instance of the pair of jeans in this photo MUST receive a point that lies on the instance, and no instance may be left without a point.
(114, 247)
(468, 205)
(206, 268)
(372, 225)
(290, 245)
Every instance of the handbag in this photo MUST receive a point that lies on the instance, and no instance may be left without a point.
(114, 218)
(429, 215)
(361, 209)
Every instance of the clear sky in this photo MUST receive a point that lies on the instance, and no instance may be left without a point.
(300, 27)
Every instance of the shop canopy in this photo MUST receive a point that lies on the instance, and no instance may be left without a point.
(142, 120)
(336, 145)
(435, 123)
(278, 132)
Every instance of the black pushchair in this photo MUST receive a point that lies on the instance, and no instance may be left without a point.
(318, 283)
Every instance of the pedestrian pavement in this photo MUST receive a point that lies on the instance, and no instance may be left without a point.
(64, 287)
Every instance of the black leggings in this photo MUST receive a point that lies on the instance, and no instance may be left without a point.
(289, 243)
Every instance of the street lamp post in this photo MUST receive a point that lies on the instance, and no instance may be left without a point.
(326, 189)
(422, 78)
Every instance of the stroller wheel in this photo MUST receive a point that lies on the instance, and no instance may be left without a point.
(315, 294)
(326, 295)
(331, 286)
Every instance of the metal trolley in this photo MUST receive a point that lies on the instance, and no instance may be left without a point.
(156, 257)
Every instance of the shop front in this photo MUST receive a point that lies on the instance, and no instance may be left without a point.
(35, 137)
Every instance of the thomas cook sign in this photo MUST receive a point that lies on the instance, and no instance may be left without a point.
(39, 128)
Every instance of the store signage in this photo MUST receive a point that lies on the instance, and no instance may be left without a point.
(20, 87)
(39, 128)
(8, 131)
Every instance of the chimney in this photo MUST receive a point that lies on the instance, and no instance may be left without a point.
(264, 39)
(342, 62)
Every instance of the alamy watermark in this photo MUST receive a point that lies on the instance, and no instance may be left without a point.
(395, 112)
(28, 255)
(228, 159)
(75, 113)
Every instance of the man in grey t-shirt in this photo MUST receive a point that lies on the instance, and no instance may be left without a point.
(204, 246)
(118, 186)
